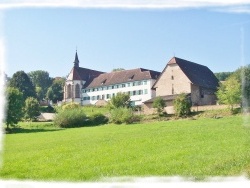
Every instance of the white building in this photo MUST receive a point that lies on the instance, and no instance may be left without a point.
(86, 86)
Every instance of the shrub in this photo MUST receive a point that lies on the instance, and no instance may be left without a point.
(71, 106)
(123, 115)
(182, 105)
(159, 104)
(98, 119)
(70, 118)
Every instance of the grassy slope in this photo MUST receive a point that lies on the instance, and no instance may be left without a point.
(213, 147)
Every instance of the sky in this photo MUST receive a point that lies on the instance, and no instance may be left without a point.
(126, 35)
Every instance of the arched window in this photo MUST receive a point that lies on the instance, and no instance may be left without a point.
(77, 91)
(69, 91)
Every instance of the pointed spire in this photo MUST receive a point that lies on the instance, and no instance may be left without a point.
(76, 62)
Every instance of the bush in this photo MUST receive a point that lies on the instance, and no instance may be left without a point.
(70, 118)
(97, 119)
(182, 105)
(123, 115)
(71, 106)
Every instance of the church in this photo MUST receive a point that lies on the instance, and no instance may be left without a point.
(92, 87)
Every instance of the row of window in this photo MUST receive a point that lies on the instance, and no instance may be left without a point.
(108, 96)
(138, 83)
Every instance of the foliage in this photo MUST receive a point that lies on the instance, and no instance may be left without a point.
(14, 106)
(21, 81)
(118, 69)
(123, 115)
(120, 100)
(55, 91)
(182, 106)
(159, 104)
(229, 92)
(31, 109)
(47, 109)
(243, 75)
(203, 147)
(222, 76)
(42, 80)
(70, 118)
(97, 119)
(71, 105)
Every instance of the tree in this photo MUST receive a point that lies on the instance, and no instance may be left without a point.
(182, 105)
(159, 104)
(42, 80)
(118, 69)
(243, 75)
(15, 104)
(55, 91)
(222, 76)
(121, 100)
(229, 92)
(31, 108)
(21, 81)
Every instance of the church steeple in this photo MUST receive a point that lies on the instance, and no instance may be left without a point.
(76, 62)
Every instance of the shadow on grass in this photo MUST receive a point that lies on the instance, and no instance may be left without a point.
(17, 130)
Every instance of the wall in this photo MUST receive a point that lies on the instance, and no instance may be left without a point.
(172, 81)
(138, 99)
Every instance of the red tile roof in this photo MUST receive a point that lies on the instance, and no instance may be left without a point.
(123, 77)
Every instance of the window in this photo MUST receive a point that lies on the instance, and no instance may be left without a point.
(139, 83)
(93, 98)
(134, 92)
(172, 77)
(113, 87)
(145, 82)
(103, 97)
(145, 91)
(98, 97)
(77, 91)
(69, 91)
(123, 85)
(128, 84)
(172, 89)
(134, 83)
(108, 96)
(140, 92)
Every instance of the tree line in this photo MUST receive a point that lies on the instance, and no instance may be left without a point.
(25, 91)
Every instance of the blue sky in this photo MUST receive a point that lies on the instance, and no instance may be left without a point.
(45, 38)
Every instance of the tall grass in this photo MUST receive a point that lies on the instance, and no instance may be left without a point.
(191, 148)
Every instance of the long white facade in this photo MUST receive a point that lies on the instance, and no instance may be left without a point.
(139, 92)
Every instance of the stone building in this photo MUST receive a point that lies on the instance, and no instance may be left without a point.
(182, 76)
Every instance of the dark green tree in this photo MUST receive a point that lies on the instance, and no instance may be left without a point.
(14, 106)
(22, 82)
(222, 76)
(121, 100)
(159, 104)
(55, 91)
(32, 109)
(42, 80)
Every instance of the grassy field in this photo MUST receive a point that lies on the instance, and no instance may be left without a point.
(190, 148)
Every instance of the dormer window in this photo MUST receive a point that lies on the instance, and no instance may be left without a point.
(131, 77)
(103, 82)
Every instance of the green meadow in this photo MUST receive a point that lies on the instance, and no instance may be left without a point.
(190, 148)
